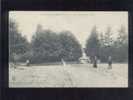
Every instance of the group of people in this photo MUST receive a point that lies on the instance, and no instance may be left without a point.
(109, 62)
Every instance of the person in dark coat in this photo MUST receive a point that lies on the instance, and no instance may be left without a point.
(95, 62)
(110, 62)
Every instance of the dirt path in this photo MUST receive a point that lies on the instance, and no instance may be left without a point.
(69, 76)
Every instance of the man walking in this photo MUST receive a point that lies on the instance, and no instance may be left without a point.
(110, 62)
(95, 62)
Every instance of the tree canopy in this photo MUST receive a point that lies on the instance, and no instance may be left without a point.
(17, 43)
(48, 46)
(92, 44)
(71, 49)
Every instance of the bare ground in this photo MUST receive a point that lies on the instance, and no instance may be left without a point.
(78, 75)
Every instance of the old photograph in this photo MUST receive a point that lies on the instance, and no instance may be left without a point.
(68, 49)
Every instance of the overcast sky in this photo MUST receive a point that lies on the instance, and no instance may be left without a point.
(80, 23)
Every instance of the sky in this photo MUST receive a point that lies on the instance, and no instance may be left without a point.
(80, 23)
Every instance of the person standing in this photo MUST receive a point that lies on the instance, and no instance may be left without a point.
(95, 62)
(27, 62)
(63, 62)
(109, 62)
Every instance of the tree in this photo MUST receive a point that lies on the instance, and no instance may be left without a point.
(108, 40)
(39, 29)
(122, 36)
(92, 44)
(45, 46)
(101, 40)
(122, 45)
(71, 49)
(18, 44)
(118, 48)
(106, 45)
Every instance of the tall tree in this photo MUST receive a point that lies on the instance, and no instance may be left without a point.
(17, 43)
(122, 36)
(106, 45)
(92, 44)
(122, 45)
(108, 40)
(101, 39)
(118, 48)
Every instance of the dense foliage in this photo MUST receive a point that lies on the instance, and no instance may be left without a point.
(18, 44)
(46, 47)
(92, 44)
(105, 45)
(50, 46)
(71, 49)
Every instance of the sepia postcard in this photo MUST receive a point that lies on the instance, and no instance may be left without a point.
(68, 49)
